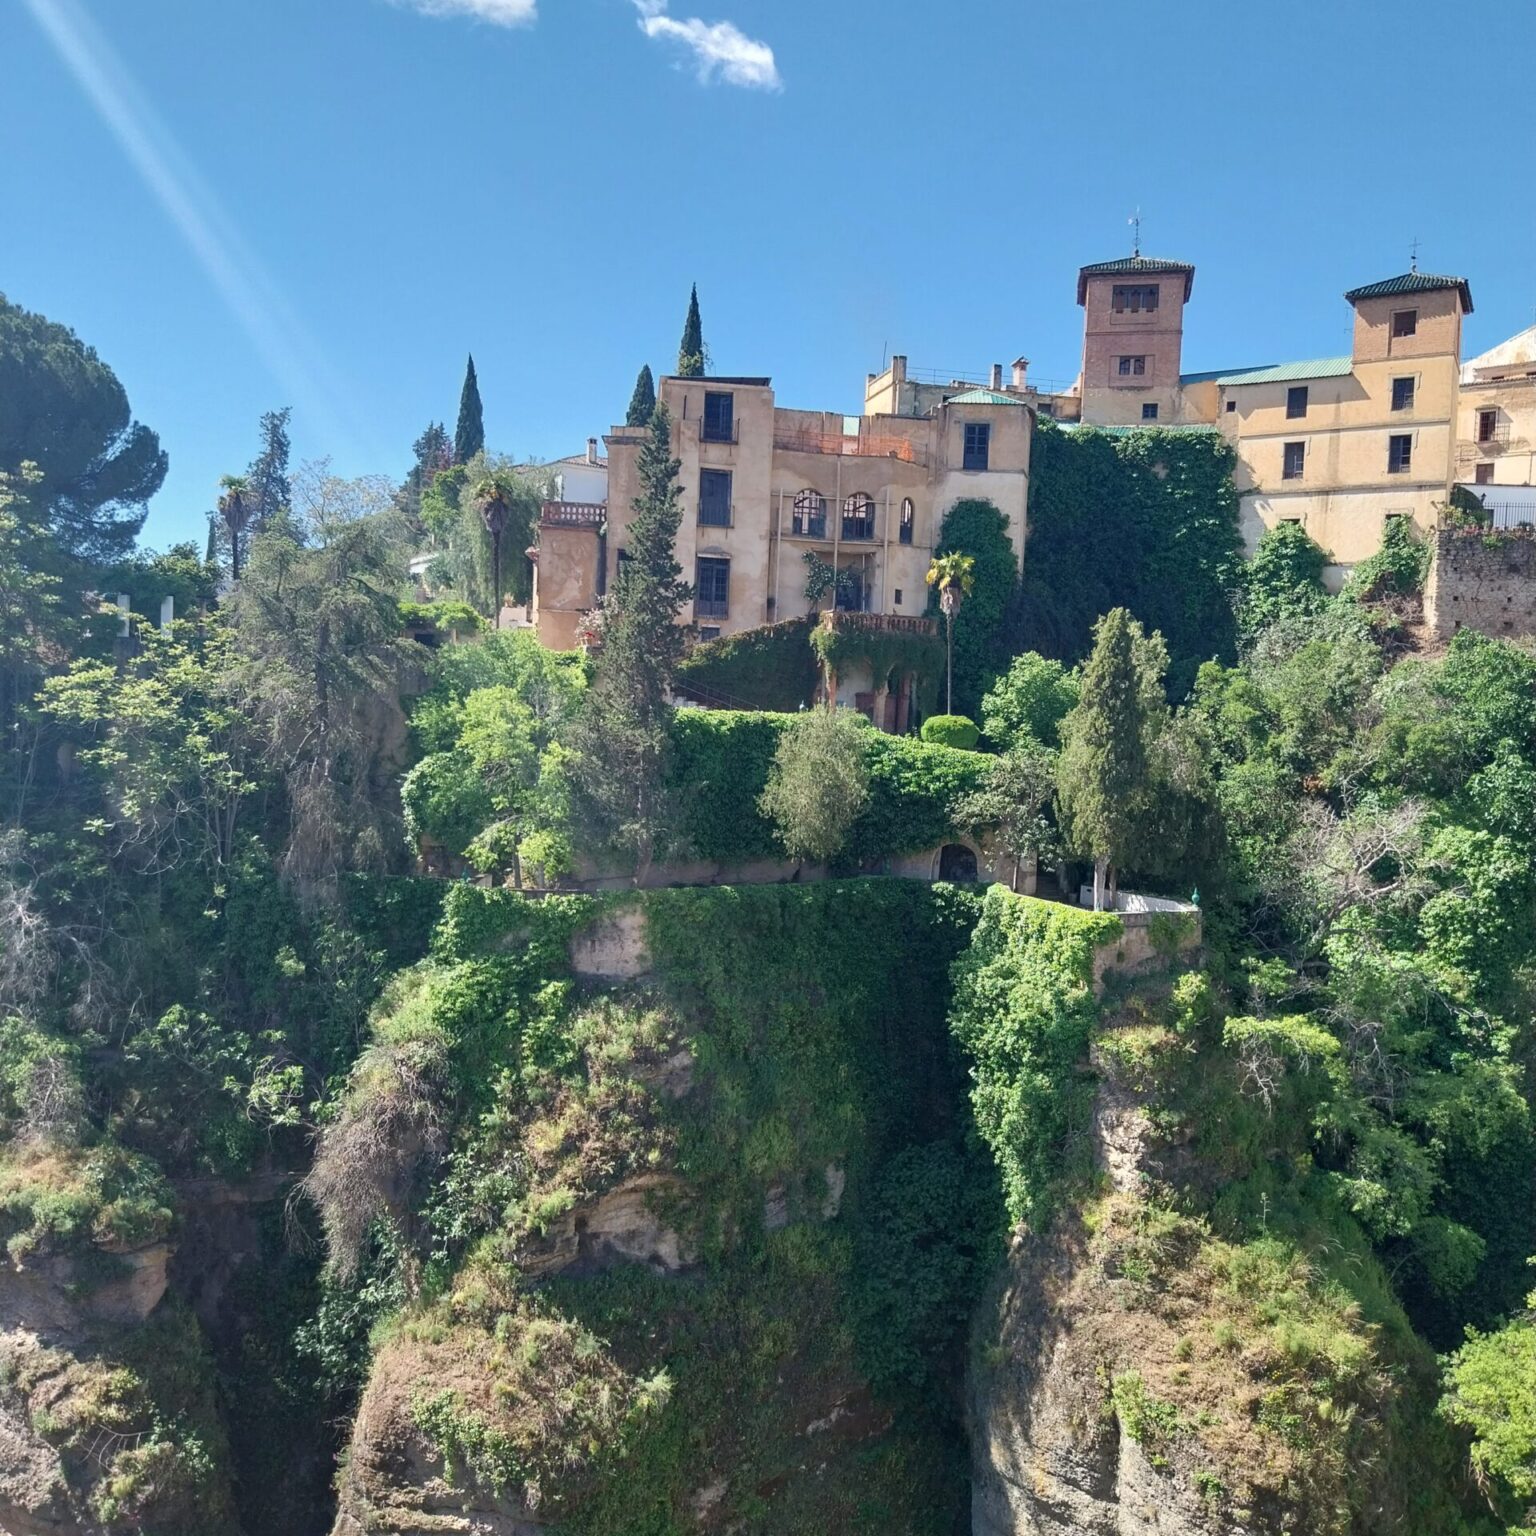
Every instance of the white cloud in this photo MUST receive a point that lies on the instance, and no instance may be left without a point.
(501, 13)
(719, 48)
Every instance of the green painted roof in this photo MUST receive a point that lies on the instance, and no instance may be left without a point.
(1280, 373)
(1413, 282)
(982, 397)
(1133, 266)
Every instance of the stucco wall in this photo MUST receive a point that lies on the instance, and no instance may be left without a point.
(1484, 582)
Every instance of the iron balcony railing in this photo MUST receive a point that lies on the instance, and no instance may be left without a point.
(879, 623)
(711, 608)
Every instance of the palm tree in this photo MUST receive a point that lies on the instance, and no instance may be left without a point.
(234, 512)
(491, 498)
(952, 576)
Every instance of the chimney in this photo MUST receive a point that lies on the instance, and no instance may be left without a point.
(1020, 372)
(899, 368)
(591, 450)
(997, 375)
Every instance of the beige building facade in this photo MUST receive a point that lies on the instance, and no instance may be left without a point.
(764, 487)
(1496, 419)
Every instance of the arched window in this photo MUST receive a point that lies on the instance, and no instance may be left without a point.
(810, 515)
(907, 516)
(859, 516)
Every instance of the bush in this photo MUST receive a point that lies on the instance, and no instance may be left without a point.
(818, 783)
(978, 529)
(951, 731)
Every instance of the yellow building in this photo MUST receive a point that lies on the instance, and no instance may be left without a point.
(1343, 444)
(1496, 424)
(764, 486)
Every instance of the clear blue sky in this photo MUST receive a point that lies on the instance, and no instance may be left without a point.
(327, 203)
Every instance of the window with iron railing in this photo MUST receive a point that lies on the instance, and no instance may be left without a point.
(719, 424)
(712, 588)
(715, 498)
(1296, 402)
(1402, 393)
(1400, 453)
(1487, 426)
(1295, 461)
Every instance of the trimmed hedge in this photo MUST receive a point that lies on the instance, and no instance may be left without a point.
(957, 731)
(772, 667)
(721, 760)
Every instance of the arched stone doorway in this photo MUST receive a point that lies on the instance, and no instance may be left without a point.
(957, 863)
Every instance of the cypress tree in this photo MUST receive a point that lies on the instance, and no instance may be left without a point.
(691, 359)
(1107, 784)
(469, 435)
(622, 734)
(643, 401)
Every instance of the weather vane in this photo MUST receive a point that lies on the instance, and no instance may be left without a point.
(1413, 255)
(1135, 222)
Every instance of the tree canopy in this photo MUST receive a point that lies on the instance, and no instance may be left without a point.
(692, 357)
(63, 410)
(643, 401)
(469, 434)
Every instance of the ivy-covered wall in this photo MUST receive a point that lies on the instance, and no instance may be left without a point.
(722, 758)
(772, 667)
(1145, 520)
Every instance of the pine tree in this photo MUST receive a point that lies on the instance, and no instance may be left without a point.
(433, 453)
(621, 736)
(643, 401)
(268, 490)
(691, 357)
(469, 435)
(1108, 783)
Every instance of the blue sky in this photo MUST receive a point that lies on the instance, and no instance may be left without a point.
(327, 203)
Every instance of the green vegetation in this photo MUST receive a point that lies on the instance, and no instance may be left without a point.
(643, 401)
(1029, 702)
(818, 783)
(469, 434)
(976, 530)
(772, 667)
(692, 355)
(951, 731)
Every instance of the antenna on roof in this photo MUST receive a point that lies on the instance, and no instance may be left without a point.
(1413, 255)
(1135, 222)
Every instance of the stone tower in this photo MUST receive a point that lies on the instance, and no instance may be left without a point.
(1133, 335)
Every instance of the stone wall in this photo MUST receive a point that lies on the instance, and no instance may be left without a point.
(1481, 581)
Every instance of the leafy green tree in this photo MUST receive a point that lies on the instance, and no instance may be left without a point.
(621, 735)
(63, 409)
(267, 483)
(175, 756)
(1284, 578)
(317, 631)
(469, 434)
(234, 520)
(180, 573)
(1011, 807)
(643, 401)
(951, 576)
(818, 783)
(1491, 1391)
(431, 453)
(452, 511)
(1107, 785)
(1029, 702)
(980, 648)
(32, 624)
(692, 358)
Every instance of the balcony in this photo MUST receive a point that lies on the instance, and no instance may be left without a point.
(879, 623)
(848, 445)
(573, 514)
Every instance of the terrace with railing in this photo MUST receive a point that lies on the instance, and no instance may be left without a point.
(855, 445)
(879, 623)
(573, 514)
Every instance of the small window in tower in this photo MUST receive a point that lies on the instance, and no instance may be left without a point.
(1405, 322)
(1132, 367)
(1149, 411)
(1134, 298)
(1231, 406)
(1399, 453)
(1402, 394)
(978, 443)
(1295, 461)
(1296, 402)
